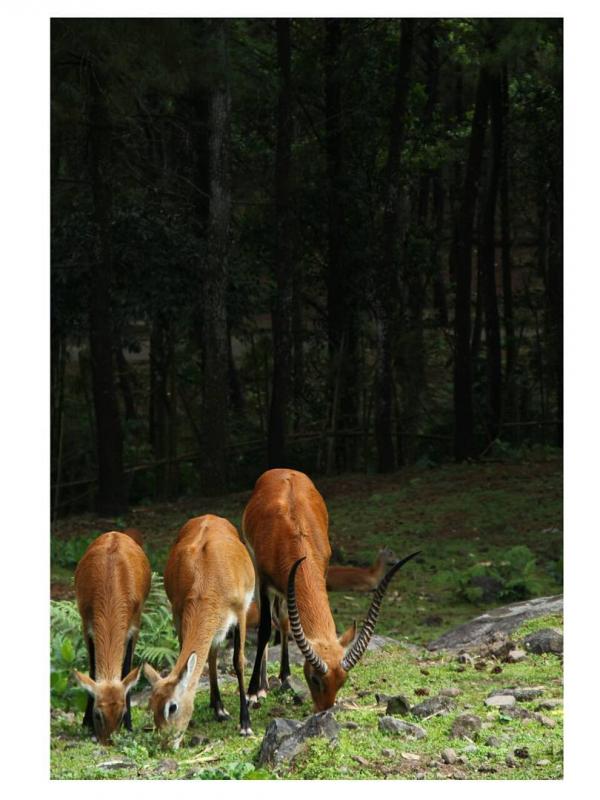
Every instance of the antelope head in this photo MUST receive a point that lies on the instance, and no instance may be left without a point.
(172, 700)
(110, 701)
(328, 662)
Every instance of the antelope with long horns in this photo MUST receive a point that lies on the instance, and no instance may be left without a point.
(209, 579)
(285, 524)
(112, 582)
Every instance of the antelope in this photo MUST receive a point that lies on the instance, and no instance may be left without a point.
(285, 525)
(112, 581)
(209, 579)
(359, 579)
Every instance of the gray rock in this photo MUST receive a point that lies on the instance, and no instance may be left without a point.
(284, 739)
(549, 705)
(382, 698)
(297, 687)
(401, 728)
(487, 768)
(167, 765)
(543, 762)
(465, 725)
(493, 741)
(514, 656)
(501, 620)
(398, 705)
(510, 761)
(116, 764)
(350, 725)
(449, 756)
(470, 748)
(521, 693)
(451, 691)
(501, 700)
(548, 640)
(433, 705)
(387, 752)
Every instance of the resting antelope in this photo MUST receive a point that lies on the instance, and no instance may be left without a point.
(112, 581)
(285, 524)
(209, 579)
(359, 579)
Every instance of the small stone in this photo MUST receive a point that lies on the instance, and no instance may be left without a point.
(547, 722)
(501, 700)
(465, 725)
(449, 756)
(363, 693)
(510, 761)
(424, 671)
(167, 765)
(487, 768)
(420, 776)
(523, 693)
(435, 705)
(116, 764)
(543, 762)
(514, 656)
(470, 748)
(197, 741)
(360, 760)
(522, 752)
(351, 725)
(549, 705)
(398, 705)
(382, 698)
(461, 759)
(274, 682)
(480, 665)
(465, 658)
(493, 741)
(387, 752)
(401, 728)
(547, 640)
(450, 691)
(411, 756)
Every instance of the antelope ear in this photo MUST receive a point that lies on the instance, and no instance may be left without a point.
(348, 635)
(130, 680)
(152, 676)
(187, 672)
(85, 682)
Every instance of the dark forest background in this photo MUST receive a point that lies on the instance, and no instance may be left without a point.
(329, 244)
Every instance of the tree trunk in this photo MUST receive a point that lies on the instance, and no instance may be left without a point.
(510, 387)
(125, 379)
(488, 245)
(282, 310)
(215, 345)
(460, 267)
(112, 495)
(386, 298)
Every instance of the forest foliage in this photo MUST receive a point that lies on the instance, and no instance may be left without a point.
(331, 244)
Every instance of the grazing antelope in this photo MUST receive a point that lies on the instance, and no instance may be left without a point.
(209, 579)
(359, 579)
(285, 524)
(112, 582)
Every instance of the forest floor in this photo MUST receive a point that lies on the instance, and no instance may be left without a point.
(463, 518)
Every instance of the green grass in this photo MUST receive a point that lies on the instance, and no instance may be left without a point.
(74, 755)
(458, 516)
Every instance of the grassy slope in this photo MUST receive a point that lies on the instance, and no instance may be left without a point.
(456, 515)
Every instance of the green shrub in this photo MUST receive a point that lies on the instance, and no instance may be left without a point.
(508, 578)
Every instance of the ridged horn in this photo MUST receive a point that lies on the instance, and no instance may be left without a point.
(357, 650)
(296, 626)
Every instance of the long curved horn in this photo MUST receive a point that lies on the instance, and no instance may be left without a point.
(296, 626)
(354, 655)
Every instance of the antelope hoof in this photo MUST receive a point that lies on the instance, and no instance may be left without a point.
(252, 700)
(221, 714)
(246, 732)
(262, 693)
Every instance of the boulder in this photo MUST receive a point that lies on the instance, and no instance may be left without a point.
(284, 739)
(401, 728)
(466, 725)
(500, 620)
(433, 705)
(398, 705)
(548, 640)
